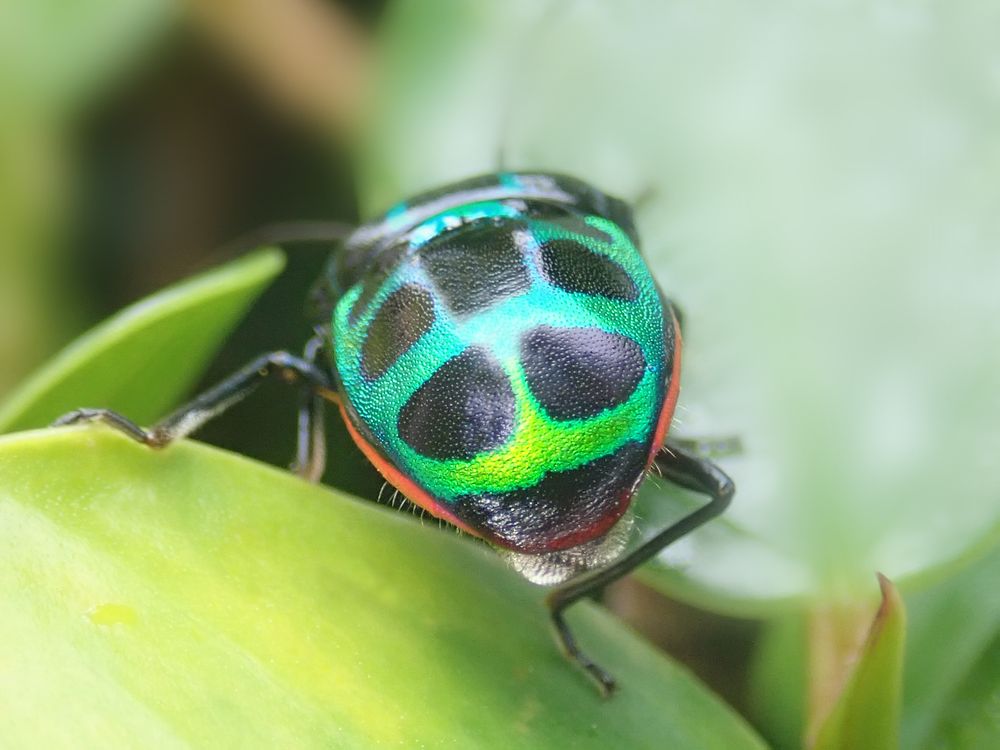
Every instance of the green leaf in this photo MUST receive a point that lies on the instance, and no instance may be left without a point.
(57, 53)
(972, 719)
(194, 597)
(867, 712)
(840, 306)
(144, 359)
(953, 629)
(57, 59)
(778, 682)
(951, 663)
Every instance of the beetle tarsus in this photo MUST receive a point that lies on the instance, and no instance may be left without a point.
(605, 683)
(310, 444)
(114, 420)
(724, 446)
(210, 404)
(682, 468)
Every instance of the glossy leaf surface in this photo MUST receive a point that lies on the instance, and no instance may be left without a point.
(194, 597)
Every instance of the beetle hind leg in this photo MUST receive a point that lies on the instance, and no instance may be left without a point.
(715, 446)
(683, 468)
(606, 684)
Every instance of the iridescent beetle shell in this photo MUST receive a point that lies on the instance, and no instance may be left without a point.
(506, 361)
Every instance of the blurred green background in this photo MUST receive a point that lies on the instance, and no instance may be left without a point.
(824, 178)
(139, 139)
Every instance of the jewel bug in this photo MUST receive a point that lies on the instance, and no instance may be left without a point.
(500, 352)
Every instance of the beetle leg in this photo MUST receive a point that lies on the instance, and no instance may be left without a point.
(211, 403)
(678, 315)
(310, 447)
(605, 682)
(711, 447)
(310, 443)
(682, 468)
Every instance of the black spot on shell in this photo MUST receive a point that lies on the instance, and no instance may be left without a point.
(404, 317)
(376, 276)
(571, 266)
(564, 503)
(473, 269)
(577, 373)
(465, 408)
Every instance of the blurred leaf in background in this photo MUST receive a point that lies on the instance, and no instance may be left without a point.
(952, 669)
(55, 57)
(822, 191)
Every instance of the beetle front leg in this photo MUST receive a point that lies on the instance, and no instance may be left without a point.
(213, 402)
(310, 443)
(682, 468)
(310, 446)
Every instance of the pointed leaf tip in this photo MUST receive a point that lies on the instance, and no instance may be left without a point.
(867, 713)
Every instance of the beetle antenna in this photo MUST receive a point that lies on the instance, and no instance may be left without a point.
(281, 233)
(286, 232)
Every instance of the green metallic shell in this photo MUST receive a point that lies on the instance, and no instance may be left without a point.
(431, 326)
